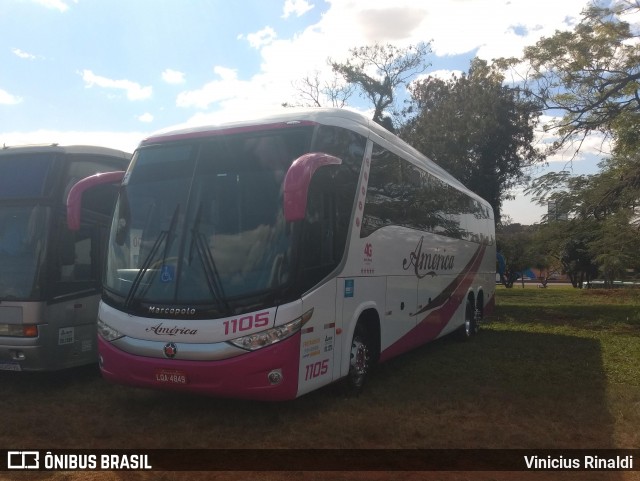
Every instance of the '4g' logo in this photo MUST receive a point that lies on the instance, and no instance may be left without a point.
(368, 250)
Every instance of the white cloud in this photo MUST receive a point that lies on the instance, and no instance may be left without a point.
(226, 86)
(146, 117)
(490, 29)
(22, 54)
(493, 28)
(262, 37)
(297, 7)
(389, 24)
(496, 28)
(60, 5)
(173, 76)
(440, 74)
(133, 90)
(8, 99)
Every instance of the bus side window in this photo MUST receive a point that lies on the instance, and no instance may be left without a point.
(78, 257)
(318, 254)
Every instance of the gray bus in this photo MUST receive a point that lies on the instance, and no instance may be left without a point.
(50, 275)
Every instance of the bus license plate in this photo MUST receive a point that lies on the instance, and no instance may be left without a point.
(10, 366)
(171, 376)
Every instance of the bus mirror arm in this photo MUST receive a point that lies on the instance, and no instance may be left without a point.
(298, 179)
(74, 198)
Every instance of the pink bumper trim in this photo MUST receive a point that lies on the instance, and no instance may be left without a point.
(242, 377)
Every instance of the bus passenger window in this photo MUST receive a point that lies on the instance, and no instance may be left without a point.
(77, 260)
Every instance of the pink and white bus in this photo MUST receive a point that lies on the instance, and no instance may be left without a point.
(265, 259)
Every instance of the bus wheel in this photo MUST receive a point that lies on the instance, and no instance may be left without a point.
(360, 361)
(470, 327)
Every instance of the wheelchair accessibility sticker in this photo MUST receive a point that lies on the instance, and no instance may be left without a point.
(167, 273)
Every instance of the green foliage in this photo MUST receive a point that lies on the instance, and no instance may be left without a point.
(479, 130)
(514, 243)
(601, 226)
(592, 75)
(617, 247)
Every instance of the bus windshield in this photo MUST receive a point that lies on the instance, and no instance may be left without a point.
(25, 176)
(22, 238)
(201, 222)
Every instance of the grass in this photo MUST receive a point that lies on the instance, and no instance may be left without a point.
(555, 368)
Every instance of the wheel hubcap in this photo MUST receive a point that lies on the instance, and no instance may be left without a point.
(359, 359)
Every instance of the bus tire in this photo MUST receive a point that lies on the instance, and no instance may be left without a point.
(469, 329)
(359, 360)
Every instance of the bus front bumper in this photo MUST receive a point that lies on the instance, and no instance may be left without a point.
(269, 374)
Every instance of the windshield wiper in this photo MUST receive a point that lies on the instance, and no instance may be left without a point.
(211, 273)
(165, 234)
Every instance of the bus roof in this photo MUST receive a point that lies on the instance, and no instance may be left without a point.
(64, 149)
(326, 116)
(284, 116)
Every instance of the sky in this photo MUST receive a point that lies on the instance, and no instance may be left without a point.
(112, 72)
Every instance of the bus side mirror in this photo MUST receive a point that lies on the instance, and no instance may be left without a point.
(297, 180)
(74, 198)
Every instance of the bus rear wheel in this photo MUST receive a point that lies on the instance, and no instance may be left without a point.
(470, 327)
(360, 359)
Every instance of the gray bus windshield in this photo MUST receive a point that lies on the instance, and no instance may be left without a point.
(201, 222)
(25, 175)
(22, 237)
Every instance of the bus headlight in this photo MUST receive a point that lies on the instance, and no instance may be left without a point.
(107, 332)
(273, 335)
(19, 330)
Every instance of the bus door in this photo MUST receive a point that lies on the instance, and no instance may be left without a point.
(71, 313)
(76, 266)
(321, 252)
(317, 344)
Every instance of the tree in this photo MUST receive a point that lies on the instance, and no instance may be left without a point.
(591, 75)
(377, 71)
(617, 247)
(312, 91)
(602, 230)
(514, 245)
(479, 130)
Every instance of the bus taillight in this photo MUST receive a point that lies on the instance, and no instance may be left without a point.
(30, 330)
(19, 330)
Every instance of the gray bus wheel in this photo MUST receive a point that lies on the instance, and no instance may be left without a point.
(360, 359)
(470, 327)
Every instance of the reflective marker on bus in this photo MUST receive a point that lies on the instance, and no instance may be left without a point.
(267, 258)
(50, 275)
